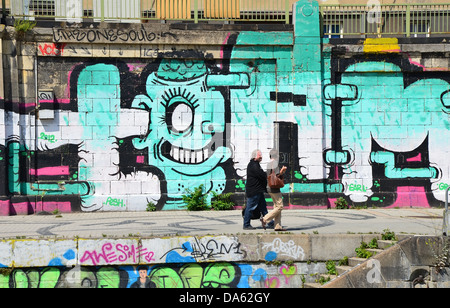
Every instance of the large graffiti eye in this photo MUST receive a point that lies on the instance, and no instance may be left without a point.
(180, 117)
(445, 99)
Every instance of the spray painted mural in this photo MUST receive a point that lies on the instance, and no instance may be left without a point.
(189, 275)
(394, 128)
(190, 262)
(134, 130)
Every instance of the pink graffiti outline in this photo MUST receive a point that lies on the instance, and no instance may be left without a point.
(119, 252)
(269, 281)
(284, 270)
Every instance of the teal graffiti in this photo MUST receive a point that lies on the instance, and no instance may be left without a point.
(194, 275)
(388, 159)
(186, 136)
(19, 161)
(182, 275)
(197, 113)
(378, 107)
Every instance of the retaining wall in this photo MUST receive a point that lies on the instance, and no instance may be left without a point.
(243, 261)
(415, 262)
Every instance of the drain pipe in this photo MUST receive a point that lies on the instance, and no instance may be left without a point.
(36, 110)
(36, 116)
(445, 227)
(60, 185)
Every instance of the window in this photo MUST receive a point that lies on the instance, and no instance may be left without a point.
(420, 28)
(332, 31)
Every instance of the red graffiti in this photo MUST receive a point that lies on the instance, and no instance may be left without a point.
(118, 253)
(52, 49)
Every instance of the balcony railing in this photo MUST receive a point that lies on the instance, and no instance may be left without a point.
(337, 21)
(146, 10)
(410, 20)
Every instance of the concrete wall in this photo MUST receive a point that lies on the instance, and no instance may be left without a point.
(241, 261)
(134, 114)
(244, 261)
(412, 263)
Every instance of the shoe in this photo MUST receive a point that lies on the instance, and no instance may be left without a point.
(280, 230)
(263, 223)
(249, 228)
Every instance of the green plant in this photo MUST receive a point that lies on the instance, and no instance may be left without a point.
(222, 202)
(150, 207)
(323, 280)
(341, 203)
(373, 243)
(195, 200)
(331, 267)
(303, 278)
(57, 213)
(343, 261)
(361, 251)
(23, 26)
(441, 256)
(388, 235)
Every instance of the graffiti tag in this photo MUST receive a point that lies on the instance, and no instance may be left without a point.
(118, 253)
(107, 35)
(289, 249)
(114, 202)
(52, 49)
(49, 138)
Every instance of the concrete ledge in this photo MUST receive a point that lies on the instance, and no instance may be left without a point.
(16, 253)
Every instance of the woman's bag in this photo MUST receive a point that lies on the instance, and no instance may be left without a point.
(275, 181)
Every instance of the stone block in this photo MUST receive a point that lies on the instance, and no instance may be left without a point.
(334, 246)
(286, 247)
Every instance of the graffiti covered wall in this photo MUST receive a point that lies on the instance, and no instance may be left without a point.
(135, 116)
(189, 275)
(177, 262)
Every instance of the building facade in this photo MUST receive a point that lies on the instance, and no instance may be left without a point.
(129, 117)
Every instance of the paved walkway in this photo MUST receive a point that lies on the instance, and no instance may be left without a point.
(419, 221)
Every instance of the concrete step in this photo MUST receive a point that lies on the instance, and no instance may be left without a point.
(311, 285)
(330, 276)
(341, 269)
(354, 261)
(384, 244)
(374, 251)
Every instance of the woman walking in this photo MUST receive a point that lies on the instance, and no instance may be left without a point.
(274, 193)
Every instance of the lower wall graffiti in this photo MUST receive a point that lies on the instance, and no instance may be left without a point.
(252, 261)
(190, 275)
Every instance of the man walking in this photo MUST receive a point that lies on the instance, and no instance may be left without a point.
(255, 188)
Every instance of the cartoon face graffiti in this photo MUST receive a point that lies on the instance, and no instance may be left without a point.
(186, 137)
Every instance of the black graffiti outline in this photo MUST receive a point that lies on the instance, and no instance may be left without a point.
(205, 252)
(110, 35)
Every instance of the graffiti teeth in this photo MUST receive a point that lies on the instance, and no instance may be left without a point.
(200, 156)
(185, 156)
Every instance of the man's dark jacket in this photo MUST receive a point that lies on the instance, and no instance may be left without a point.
(256, 179)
